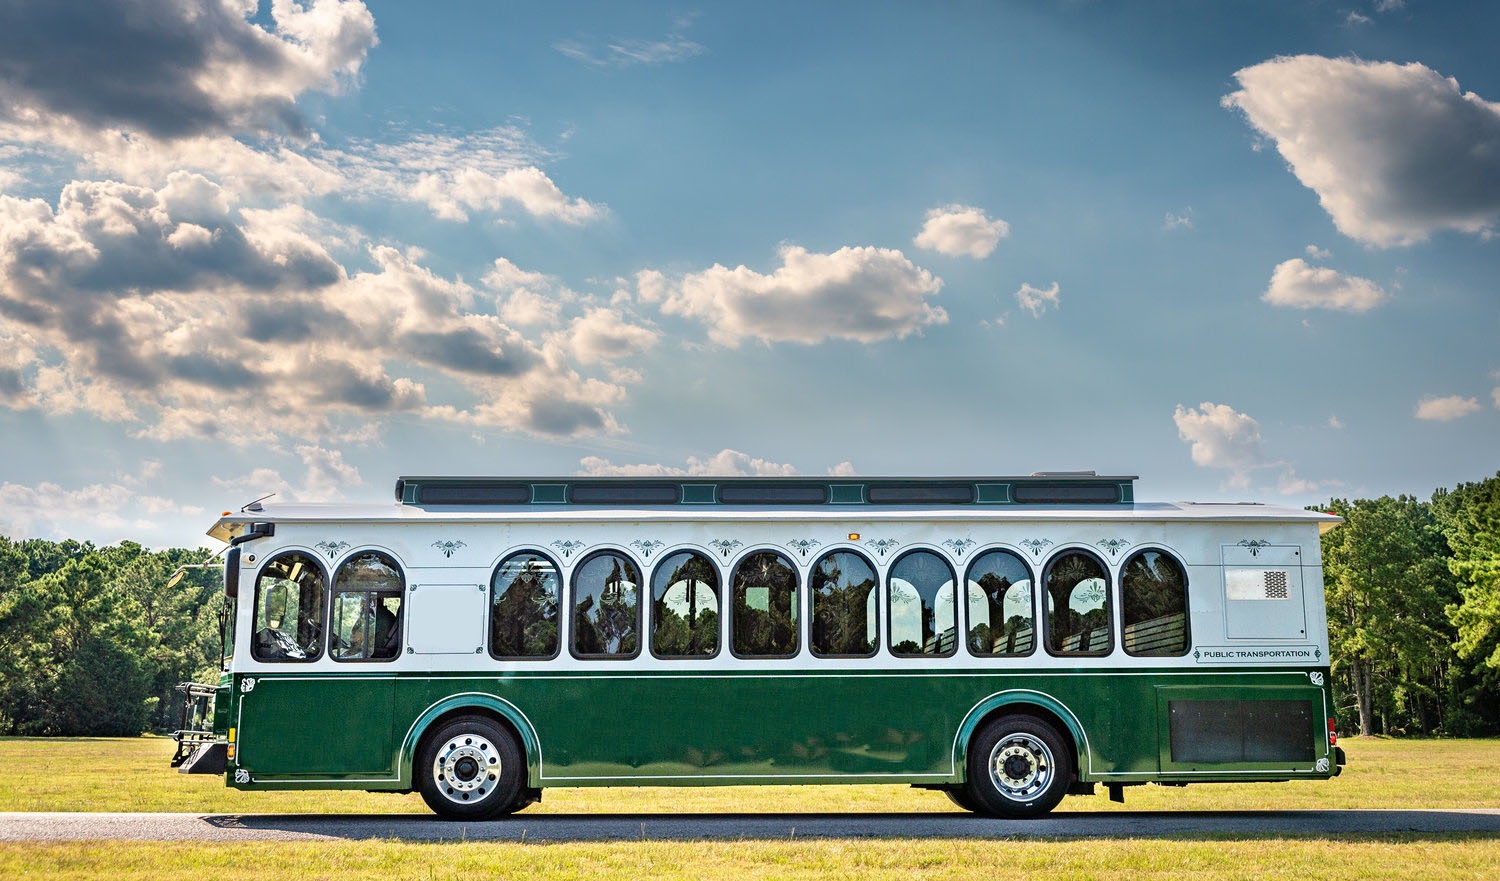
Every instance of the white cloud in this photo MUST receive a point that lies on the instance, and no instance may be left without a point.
(1495, 396)
(1179, 221)
(527, 298)
(621, 52)
(1038, 300)
(448, 193)
(725, 463)
(494, 170)
(173, 310)
(328, 475)
(843, 469)
(604, 335)
(113, 510)
(863, 294)
(1395, 152)
(1335, 423)
(1318, 253)
(1446, 409)
(325, 477)
(1298, 285)
(262, 482)
(1222, 437)
(960, 230)
(181, 68)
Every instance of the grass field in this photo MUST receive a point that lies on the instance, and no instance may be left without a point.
(132, 775)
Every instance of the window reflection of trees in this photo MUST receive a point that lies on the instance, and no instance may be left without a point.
(685, 606)
(843, 605)
(923, 615)
(606, 607)
(1153, 596)
(523, 607)
(763, 617)
(1077, 605)
(1001, 616)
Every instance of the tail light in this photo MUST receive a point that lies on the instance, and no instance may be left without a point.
(1333, 737)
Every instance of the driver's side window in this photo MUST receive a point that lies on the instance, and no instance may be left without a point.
(289, 600)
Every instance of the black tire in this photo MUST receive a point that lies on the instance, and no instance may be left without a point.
(960, 796)
(1019, 767)
(470, 768)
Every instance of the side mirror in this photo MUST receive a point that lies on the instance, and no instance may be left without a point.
(232, 573)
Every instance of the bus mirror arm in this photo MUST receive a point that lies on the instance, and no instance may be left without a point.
(232, 562)
(257, 530)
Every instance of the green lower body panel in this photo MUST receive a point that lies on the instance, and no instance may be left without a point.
(586, 729)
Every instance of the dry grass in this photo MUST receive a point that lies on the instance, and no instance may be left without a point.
(132, 775)
(1398, 859)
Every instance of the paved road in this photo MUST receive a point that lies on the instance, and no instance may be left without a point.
(604, 827)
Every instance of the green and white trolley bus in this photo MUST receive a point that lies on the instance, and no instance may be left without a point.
(1007, 640)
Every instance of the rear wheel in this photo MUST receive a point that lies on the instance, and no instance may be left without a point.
(471, 769)
(1019, 767)
(960, 796)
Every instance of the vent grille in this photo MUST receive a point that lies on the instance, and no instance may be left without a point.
(1257, 584)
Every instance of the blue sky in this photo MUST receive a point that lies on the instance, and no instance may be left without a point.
(1244, 250)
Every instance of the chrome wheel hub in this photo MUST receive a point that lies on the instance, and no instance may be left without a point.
(1020, 766)
(467, 768)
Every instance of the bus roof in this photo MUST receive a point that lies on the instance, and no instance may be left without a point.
(1046, 496)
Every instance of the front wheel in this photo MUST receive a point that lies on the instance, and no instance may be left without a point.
(1019, 767)
(471, 769)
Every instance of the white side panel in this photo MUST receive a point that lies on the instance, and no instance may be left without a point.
(446, 619)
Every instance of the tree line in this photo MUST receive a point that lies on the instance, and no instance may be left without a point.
(1413, 594)
(92, 640)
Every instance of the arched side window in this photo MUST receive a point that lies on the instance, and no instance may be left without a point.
(1002, 617)
(1077, 601)
(685, 607)
(1153, 604)
(365, 623)
(524, 596)
(606, 602)
(924, 618)
(844, 620)
(763, 614)
(289, 598)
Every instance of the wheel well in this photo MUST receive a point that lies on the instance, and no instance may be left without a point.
(476, 710)
(1041, 714)
(482, 712)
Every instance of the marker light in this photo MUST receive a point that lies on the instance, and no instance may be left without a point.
(1333, 737)
(854, 536)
